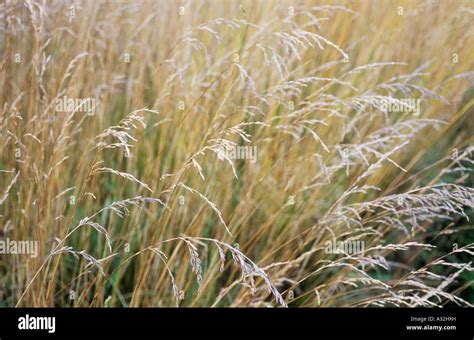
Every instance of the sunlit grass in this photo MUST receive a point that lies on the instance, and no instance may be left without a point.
(142, 202)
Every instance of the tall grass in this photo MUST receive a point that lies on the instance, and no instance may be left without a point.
(138, 202)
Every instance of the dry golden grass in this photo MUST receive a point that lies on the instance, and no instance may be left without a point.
(140, 201)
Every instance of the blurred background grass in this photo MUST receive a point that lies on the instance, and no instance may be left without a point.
(179, 68)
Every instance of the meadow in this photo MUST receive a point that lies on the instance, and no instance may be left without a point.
(236, 153)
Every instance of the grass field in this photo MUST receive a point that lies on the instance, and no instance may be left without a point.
(236, 153)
